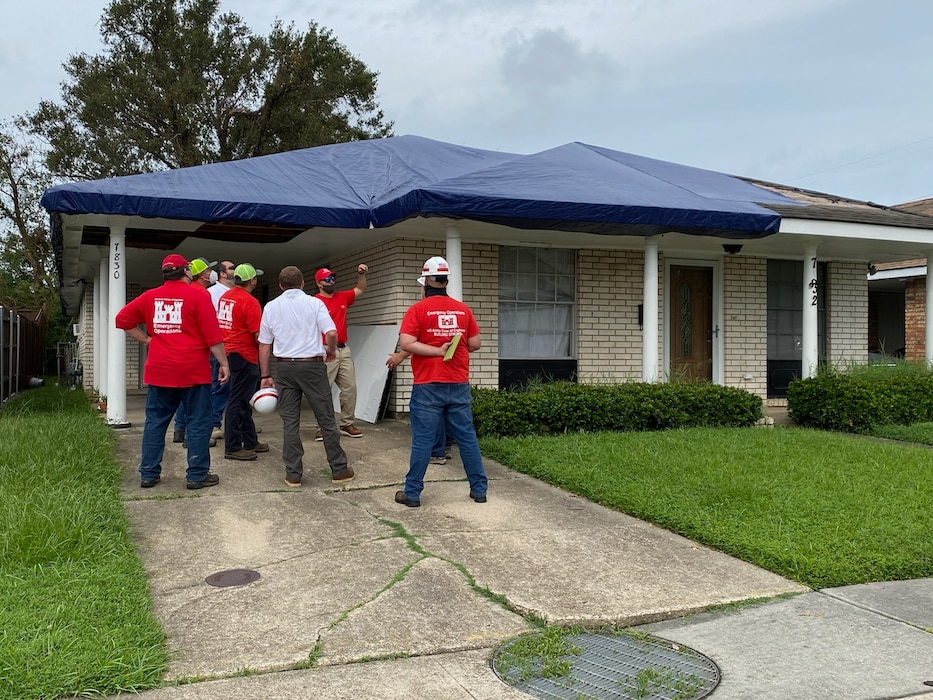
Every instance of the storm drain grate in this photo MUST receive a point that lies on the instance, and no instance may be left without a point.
(607, 666)
(233, 577)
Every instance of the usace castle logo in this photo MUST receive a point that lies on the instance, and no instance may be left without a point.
(166, 317)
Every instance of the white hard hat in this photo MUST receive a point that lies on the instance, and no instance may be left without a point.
(434, 266)
(265, 400)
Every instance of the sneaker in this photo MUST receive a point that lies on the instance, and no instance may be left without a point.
(258, 447)
(476, 497)
(217, 433)
(242, 455)
(210, 480)
(400, 497)
(178, 436)
(437, 460)
(351, 431)
(149, 483)
(343, 477)
(293, 484)
(319, 436)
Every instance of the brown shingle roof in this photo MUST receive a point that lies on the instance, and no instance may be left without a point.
(829, 207)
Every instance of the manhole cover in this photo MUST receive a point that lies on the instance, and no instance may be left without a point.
(561, 665)
(233, 577)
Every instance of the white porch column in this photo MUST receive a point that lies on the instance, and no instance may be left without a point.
(809, 343)
(102, 326)
(649, 333)
(96, 326)
(116, 355)
(928, 330)
(455, 260)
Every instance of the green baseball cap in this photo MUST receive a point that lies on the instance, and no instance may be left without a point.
(199, 265)
(245, 271)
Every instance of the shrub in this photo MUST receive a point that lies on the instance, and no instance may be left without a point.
(860, 397)
(563, 407)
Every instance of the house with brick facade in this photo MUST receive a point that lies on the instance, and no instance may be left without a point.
(718, 278)
(897, 301)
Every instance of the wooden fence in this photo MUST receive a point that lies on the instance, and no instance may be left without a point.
(22, 350)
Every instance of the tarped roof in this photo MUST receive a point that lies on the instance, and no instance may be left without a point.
(378, 183)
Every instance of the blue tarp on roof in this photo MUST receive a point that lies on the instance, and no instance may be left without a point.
(384, 181)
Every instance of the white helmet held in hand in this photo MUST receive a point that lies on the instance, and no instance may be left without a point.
(265, 400)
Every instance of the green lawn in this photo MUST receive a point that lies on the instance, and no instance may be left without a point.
(821, 508)
(75, 613)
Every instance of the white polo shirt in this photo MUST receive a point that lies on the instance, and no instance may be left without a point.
(293, 324)
(216, 291)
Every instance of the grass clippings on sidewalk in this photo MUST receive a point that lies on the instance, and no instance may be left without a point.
(75, 613)
(823, 509)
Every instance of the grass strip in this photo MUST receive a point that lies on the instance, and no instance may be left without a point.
(75, 613)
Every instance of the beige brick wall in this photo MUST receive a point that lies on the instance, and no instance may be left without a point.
(847, 314)
(745, 330)
(609, 290)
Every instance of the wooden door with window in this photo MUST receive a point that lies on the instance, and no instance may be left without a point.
(691, 323)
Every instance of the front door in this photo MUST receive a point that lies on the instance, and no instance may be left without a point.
(691, 323)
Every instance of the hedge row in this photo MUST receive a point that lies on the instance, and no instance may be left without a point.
(855, 401)
(566, 407)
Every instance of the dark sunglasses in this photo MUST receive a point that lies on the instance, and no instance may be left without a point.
(332, 278)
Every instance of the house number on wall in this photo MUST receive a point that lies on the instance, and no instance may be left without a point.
(812, 283)
(116, 261)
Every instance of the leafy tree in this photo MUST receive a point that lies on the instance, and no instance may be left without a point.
(180, 84)
(26, 271)
(27, 274)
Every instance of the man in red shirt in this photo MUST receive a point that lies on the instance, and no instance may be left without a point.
(181, 333)
(440, 393)
(341, 371)
(239, 314)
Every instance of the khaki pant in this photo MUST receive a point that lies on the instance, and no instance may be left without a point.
(342, 373)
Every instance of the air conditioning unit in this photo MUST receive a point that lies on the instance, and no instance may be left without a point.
(76, 329)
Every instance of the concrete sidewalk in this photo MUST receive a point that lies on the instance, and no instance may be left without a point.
(393, 602)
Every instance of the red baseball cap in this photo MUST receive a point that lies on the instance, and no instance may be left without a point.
(173, 261)
(322, 274)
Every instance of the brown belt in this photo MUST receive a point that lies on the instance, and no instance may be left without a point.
(300, 359)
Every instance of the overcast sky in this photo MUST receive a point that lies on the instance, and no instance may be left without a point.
(829, 95)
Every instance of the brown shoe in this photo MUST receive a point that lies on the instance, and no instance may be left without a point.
(319, 436)
(242, 455)
(343, 477)
(258, 447)
(400, 497)
(210, 480)
(351, 431)
(293, 484)
(217, 433)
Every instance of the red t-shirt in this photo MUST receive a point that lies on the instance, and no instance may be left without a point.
(337, 308)
(181, 321)
(434, 321)
(239, 314)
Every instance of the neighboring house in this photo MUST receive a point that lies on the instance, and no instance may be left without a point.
(897, 301)
(579, 262)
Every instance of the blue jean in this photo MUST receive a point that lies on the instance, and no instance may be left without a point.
(434, 407)
(163, 402)
(219, 394)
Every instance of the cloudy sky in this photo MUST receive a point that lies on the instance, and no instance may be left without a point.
(829, 95)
